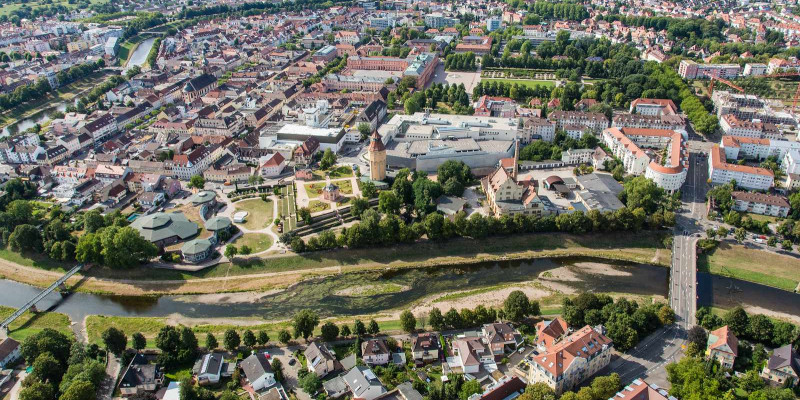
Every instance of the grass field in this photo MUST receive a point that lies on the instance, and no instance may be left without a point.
(758, 266)
(259, 213)
(257, 242)
(314, 190)
(318, 205)
(29, 323)
(522, 82)
(335, 173)
(9, 7)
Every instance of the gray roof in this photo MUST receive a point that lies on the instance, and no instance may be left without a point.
(196, 246)
(160, 226)
(360, 379)
(208, 364)
(409, 393)
(450, 205)
(255, 366)
(783, 357)
(203, 197)
(218, 223)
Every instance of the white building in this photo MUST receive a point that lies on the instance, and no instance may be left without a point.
(758, 149)
(635, 148)
(537, 128)
(759, 203)
(791, 162)
(273, 165)
(752, 178)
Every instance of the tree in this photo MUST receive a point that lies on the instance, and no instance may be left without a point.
(304, 323)
(263, 338)
(411, 105)
(517, 306)
(25, 238)
(231, 340)
(364, 130)
(538, 391)
(358, 205)
(249, 338)
(408, 321)
(389, 203)
(698, 337)
(328, 159)
(358, 328)
(310, 383)
(245, 250)
(211, 341)
(666, 315)
(373, 327)
(786, 245)
(277, 369)
(368, 189)
(114, 340)
(345, 331)
(138, 341)
(284, 336)
(80, 390)
(47, 340)
(304, 213)
(737, 320)
(739, 234)
(329, 331)
(435, 319)
(37, 391)
(641, 192)
(47, 368)
(197, 182)
(469, 388)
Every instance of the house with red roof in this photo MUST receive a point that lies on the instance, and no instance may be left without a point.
(723, 346)
(570, 361)
(273, 165)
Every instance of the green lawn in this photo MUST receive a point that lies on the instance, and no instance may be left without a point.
(34, 260)
(259, 213)
(30, 323)
(523, 82)
(758, 266)
(335, 173)
(314, 190)
(318, 205)
(8, 7)
(257, 242)
(758, 217)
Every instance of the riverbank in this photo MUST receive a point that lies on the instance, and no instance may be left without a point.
(30, 323)
(279, 272)
(752, 265)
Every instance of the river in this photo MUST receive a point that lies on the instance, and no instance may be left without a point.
(139, 55)
(324, 294)
(39, 118)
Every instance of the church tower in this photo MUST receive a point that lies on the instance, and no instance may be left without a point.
(377, 158)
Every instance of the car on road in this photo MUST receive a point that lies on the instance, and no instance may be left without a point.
(292, 361)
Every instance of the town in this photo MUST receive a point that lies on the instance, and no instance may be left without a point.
(399, 200)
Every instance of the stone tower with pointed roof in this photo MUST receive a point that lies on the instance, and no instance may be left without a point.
(377, 158)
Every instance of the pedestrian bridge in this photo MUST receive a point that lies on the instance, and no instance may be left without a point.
(31, 304)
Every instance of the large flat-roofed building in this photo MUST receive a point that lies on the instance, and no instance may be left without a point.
(428, 154)
(329, 138)
(447, 126)
(634, 147)
(689, 69)
(721, 172)
(748, 107)
(599, 191)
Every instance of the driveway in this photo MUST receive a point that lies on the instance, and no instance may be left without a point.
(289, 371)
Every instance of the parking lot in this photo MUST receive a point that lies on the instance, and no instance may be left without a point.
(540, 175)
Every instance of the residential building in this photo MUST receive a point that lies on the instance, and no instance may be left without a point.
(759, 203)
(363, 384)
(305, 151)
(140, 376)
(507, 388)
(425, 348)
(506, 195)
(667, 166)
(747, 177)
(548, 333)
(783, 366)
(579, 121)
(321, 360)
(737, 147)
(469, 354)
(641, 390)
(723, 346)
(537, 129)
(375, 352)
(664, 121)
(732, 125)
(572, 360)
(653, 107)
(493, 24)
(101, 128)
(258, 371)
(208, 369)
(689, 69)
(437, 20)
(500, 337)
(488, 106)
(9, 352)
(273, 165)
(791, 162)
